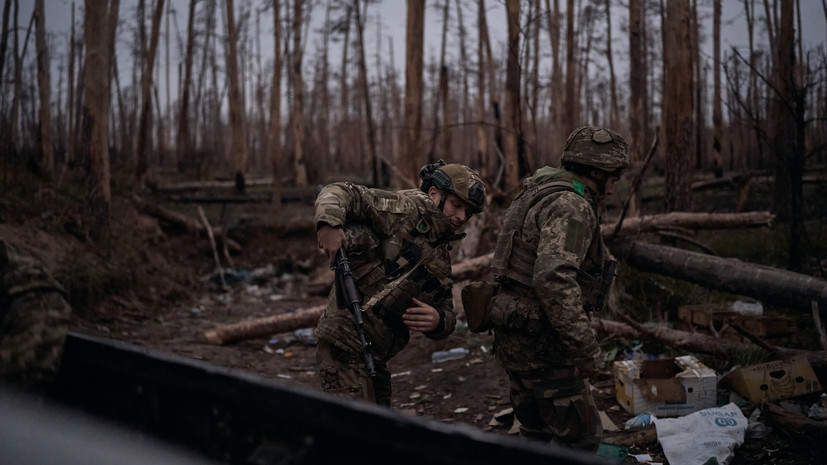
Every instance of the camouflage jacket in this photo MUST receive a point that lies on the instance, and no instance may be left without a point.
(553, 330)
(382, 227)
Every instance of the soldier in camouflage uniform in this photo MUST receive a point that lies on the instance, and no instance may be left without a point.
(549, 264)
(398, 244)
(34, 320)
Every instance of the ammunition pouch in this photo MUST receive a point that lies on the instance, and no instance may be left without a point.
(516, 312)
(476, 300)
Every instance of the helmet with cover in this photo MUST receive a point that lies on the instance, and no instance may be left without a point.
(456, 179)
(597, 147)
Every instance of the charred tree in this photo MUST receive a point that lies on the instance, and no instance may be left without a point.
(95, 116)
(275, 110)
(184, 141)
(145, 121)
(677, 106)
(379, 167)
(297, 108)
(513, 128)
(239, 141)
(415, 33)
(47, 155)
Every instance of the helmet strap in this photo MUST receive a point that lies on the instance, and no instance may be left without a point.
(600, 178)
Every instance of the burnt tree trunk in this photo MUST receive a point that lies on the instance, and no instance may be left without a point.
(415, 33)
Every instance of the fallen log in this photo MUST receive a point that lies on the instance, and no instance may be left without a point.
(639, 436)
(798, 423)
(688, 220)
(770, 285)
(188, 186)
(478, 266)
(263, 327)
(188, 224)
(473, 268)
(694, 342)
(700, 343)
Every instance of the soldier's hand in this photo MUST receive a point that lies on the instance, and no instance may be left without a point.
(329, 240)
(421, 317)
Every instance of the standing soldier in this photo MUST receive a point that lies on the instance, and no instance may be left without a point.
(549, 266)
(398, 244)
(34, 320)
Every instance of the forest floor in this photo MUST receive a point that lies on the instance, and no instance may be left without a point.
(158, 287)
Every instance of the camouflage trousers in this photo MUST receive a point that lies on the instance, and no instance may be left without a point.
(560, 410)
(343, 373)
(33, 328)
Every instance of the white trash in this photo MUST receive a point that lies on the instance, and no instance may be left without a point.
(748, 308)
(702, 435)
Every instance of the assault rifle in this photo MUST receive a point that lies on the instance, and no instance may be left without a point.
(347, 296)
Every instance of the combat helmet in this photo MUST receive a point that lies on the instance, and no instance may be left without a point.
(456, 179)
(597, 147)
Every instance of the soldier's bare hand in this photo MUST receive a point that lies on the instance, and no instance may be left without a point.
(329, 240)
(421, 317)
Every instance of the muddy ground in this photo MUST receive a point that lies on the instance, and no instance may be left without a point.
(158, 287)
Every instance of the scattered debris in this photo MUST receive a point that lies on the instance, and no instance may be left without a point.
(452, 354)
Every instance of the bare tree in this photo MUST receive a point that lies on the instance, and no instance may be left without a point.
(184, 142)
(379, 171)
(512, 97)
(481, 159)
(145, 122)
(557, 102)
(4, 38)
(787, 128)
(415, 32)
(47, 156)
(297, 113)
(70, 99)
(239, 141)
(275, 109)
(95, 114)
(572, 104)
(677, 106)
(717, 109)
(615, 111)
(637, 84)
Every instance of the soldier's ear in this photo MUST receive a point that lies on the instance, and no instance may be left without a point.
(435, 195)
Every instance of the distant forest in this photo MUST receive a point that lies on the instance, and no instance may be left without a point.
(310, 116)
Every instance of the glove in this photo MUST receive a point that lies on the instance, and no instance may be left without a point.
(329, 240)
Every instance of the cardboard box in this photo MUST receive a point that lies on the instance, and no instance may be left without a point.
(780, 379)
(666, 387)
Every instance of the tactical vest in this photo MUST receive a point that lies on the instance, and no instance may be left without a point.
(514, 257)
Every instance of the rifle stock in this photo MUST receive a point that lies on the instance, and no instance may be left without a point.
(347, 296)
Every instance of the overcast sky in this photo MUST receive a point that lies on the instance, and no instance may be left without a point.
(392, 13)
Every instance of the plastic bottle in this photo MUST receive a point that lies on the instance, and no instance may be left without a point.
(748, 308)
(445, 355)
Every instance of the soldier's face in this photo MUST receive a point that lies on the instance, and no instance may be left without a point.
(455, 208)
(610, 184)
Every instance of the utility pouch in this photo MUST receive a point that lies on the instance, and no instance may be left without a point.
(476, 298)
(516, 312)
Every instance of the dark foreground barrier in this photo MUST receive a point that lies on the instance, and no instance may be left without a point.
(239, 418)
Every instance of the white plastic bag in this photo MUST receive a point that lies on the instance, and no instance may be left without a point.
(697, 437)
